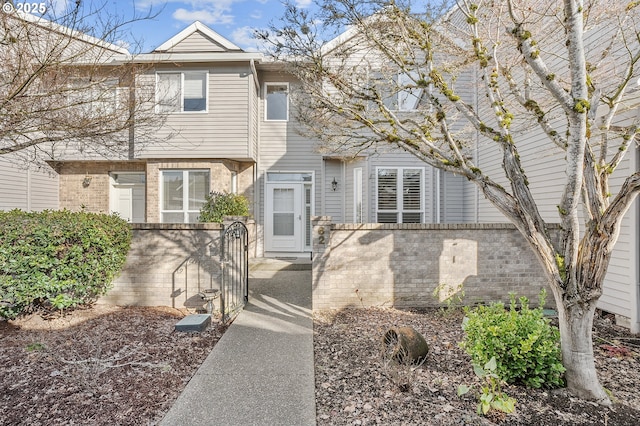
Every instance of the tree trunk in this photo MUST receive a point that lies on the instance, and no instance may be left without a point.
(575, 324)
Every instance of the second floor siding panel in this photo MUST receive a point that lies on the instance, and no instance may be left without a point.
(222, 129)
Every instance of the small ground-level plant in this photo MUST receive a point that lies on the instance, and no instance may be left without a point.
(525, 345)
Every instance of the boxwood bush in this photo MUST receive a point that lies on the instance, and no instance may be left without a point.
(524, 343)
(55, 260)
(220, 204)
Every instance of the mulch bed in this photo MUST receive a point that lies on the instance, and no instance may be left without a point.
(356, 386)
(100, 366)
(126, 366)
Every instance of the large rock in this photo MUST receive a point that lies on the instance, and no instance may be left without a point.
(405, 345)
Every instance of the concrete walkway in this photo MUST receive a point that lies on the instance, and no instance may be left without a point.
(261, 370)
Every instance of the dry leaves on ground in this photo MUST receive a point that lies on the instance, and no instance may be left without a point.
(355, 386)
(126, 366)
(100, 366)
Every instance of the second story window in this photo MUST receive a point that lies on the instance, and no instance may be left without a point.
(277, 101)
(181, 91)
(403, 93)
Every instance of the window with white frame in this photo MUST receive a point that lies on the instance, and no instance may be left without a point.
(181, 91)
(358, 205)
(399, 194)
(404, 93)
(277, 101)
(183, 193)
(96, 98)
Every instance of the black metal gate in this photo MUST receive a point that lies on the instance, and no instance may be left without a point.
(234, 261)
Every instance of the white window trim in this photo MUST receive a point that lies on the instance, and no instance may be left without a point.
(109, 88)
(185, 201)
(266, 103)
(358, 196)
(182, 72)
(399, 200)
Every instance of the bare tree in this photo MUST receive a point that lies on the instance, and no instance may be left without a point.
(498, 78)
(69, 87)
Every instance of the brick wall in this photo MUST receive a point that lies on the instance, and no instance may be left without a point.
(168, 264)
(219, 175)
(85, 184)
(403, 265)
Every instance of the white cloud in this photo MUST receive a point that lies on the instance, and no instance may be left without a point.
(256, 14)
(243, 37)
(209, 17)
(58, 6)
(303, 3)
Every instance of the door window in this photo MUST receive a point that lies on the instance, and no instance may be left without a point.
(283, 212)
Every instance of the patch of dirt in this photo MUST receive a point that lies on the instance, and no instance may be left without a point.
(98, 366)
(355, 386)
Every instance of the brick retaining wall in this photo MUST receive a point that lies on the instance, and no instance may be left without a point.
(402, 265)
(168, 264)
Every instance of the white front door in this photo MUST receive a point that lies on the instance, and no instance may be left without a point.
(123, 196)
(284, 217)
(128, 196)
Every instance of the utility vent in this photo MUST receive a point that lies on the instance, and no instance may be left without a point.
(196, 322)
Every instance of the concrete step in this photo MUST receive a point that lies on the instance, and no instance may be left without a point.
(275, 264)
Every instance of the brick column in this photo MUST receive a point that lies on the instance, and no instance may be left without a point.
(321, 254)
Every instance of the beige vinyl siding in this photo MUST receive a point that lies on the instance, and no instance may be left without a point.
(283, 148)
(221, 132)
(452, 198)
(334, 200)
(197, 42)
(27, 188)
(620, 294)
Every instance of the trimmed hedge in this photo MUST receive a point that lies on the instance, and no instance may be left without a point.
(221, 204)
(54, 260)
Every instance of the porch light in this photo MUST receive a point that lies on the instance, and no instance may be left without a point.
(334, 184)
(86, 181)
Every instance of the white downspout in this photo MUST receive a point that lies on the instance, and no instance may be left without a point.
(635, 275)
(437, 195)
(256, 173)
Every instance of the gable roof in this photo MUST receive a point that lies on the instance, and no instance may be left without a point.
(197, 27)
(68, 32)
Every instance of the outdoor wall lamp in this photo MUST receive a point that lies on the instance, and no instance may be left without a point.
(334, 184)
(86, 181)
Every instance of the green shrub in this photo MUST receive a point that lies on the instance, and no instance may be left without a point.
(526, 346)
(58, 259)
(219, 204)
